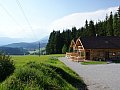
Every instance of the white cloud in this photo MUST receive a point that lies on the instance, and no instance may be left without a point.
(24, 33)
(78, 19)
(12, 30)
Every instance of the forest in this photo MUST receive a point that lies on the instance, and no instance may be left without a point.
(59, 41)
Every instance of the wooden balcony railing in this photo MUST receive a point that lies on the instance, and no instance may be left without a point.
(74, 57)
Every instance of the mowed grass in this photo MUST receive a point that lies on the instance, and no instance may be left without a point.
(22, 60)
(45, 72)
(93, 62)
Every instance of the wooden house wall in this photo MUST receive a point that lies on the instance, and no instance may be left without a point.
(91, 54)
(101, 53)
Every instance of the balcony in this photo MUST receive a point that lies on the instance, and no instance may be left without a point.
(75, 57)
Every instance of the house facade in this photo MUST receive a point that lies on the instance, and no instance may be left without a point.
(95, 48)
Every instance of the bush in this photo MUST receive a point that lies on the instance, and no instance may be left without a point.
(6, 66)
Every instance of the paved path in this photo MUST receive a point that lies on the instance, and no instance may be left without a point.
(97, 77)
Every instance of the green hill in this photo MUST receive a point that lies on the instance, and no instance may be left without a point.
(28, 46)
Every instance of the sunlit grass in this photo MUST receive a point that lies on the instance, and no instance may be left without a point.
(68, 76)
(93, 62)
(21, 60)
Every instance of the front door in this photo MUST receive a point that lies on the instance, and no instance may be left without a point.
(88, 55)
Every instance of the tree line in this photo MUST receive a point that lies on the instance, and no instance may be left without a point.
(59, 41)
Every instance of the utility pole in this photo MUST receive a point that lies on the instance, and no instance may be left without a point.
(39, 49)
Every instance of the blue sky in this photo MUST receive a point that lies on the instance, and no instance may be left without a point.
(46, 15)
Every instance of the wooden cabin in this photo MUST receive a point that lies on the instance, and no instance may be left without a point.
(95, 48)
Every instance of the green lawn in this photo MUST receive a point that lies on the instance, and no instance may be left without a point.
(43, 67)
(22, 60)
(93, 62)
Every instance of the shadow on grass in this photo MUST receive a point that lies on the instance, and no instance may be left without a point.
(77, 83)
(74, 81)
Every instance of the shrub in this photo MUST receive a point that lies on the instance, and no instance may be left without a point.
(6, 66)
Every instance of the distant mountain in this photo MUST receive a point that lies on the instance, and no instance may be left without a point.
(44, 40)
(28, 46)
(6, 40)
(14, 51)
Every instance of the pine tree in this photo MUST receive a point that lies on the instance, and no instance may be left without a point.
(86, 24)
(100, 28)
(50, 45)
(80, 32)
(67, 37)
(91, 29)
(86, 31)
(110, 31)
(64, 49)
(74, 30)
(105, 22)
(118, 26)
(115, 24)
(58, 43)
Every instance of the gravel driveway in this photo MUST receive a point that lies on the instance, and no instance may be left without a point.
(97, 77)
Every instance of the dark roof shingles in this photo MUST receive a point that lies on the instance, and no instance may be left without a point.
(109, 42)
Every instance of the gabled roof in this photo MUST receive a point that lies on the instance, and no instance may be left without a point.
(72, 43)
(101, 42)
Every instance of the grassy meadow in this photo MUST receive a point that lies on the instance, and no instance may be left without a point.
(42, 73)
(22, 60)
